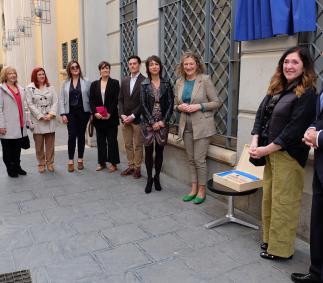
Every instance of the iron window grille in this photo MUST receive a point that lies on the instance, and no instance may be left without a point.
(64, 55)
(128, 27)
(314, 40)
(74, 49)
(206, 28)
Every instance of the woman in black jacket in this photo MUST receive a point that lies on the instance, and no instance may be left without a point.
(157, 100)
(103, 102)
(281, 120)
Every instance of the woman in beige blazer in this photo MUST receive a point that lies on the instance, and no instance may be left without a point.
(196, 99)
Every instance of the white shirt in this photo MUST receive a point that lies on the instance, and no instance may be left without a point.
(133, 80)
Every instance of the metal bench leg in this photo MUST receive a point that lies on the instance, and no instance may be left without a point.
(230, 217)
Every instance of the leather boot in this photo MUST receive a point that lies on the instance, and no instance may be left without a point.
(11, 170)
(158, 187)
(19, 170)
(149, 185)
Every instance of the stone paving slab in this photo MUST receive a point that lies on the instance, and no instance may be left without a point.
(95, 227)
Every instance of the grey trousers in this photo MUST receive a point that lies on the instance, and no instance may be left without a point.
(196, 151)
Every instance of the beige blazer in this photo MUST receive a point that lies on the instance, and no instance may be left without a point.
(203, 93)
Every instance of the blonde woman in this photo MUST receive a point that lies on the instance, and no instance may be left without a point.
(196, 99)
(42, 104)
(12, 121)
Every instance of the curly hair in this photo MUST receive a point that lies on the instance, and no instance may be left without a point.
(68, 68)
(307, 80)
(201, 68)
(4, 73)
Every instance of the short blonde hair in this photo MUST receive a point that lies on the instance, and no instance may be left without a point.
(4, 73)
(201, 68)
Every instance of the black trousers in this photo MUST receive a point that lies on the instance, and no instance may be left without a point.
(317, 229)
(107, 144)
(76, 127)
(149, 158)
(11, 150)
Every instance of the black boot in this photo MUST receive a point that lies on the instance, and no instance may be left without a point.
(149, 185)
(19, 170)
(158, 187)
(11, 170)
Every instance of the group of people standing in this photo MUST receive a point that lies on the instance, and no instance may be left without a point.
(144, 105)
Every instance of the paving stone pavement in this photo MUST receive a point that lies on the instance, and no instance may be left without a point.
(95, 227)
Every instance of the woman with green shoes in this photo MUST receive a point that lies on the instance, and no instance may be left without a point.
(196, 100)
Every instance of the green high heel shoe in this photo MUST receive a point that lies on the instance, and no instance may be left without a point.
(198, 200)
(189, 197)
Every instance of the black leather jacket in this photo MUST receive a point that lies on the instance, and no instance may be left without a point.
(147, 100)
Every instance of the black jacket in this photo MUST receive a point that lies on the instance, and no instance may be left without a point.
(318, 152)
(110, 102)
(291, 117)
(147, 100)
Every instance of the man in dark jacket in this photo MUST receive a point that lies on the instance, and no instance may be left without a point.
(314, 138)
(129, 111)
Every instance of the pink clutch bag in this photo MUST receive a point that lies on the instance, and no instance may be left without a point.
(102, 110)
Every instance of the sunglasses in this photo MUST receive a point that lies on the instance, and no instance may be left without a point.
(75, 67)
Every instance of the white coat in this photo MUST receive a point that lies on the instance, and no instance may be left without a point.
(9, 113)
(41, 103)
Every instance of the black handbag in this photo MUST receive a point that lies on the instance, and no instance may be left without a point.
(258, 161)
(25, 142)
(91, 126)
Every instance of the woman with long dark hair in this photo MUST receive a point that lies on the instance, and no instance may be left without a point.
(281, 120)
(75, 111)
(157, 100)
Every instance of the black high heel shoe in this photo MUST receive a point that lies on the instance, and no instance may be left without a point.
(158, 187)
(264, 246)
(274, 257)
(149, 186)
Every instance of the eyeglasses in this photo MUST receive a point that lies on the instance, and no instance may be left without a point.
(75, 67)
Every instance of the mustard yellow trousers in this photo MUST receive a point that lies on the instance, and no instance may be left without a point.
(282, 192)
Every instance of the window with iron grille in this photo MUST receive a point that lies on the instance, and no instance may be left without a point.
(205, 27)
(64, 55)
(74, 49)
(128, 27)
(314, 40)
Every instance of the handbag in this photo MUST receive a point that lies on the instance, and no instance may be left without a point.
(91, 127)
(25, 142)
(258, 161)
(102, 110)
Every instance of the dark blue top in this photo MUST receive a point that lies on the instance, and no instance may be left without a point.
(75, 96)
(187, 91)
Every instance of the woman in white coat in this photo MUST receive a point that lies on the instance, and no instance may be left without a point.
(42, 104)
(74, 107)
(12, 121)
